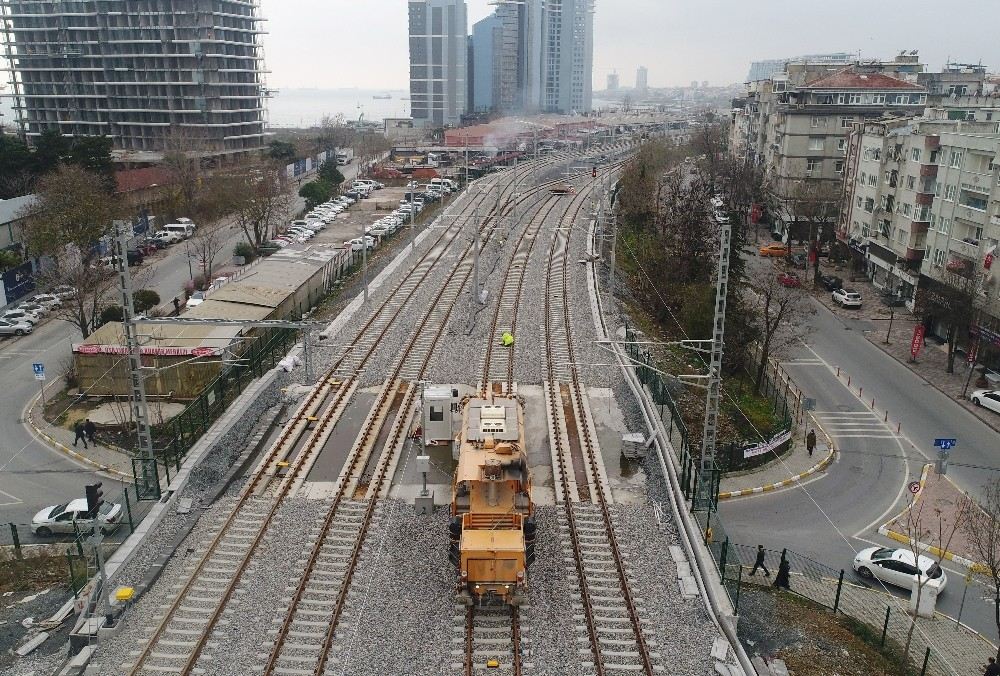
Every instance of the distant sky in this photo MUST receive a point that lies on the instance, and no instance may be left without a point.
(340, 43)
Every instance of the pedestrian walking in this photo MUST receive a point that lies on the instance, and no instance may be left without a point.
(781, 579)
(81, 434)
(177, 305)
(992, 668)
(759, 562)
(91, 431)
(811, 442)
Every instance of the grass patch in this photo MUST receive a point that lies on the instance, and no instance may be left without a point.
(36, 573)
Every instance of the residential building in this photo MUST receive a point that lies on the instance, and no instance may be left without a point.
(956, 79)
(12, 216)
(921, 208)
(612, 82)
(486, 34)
(140, 73)
(438, 61)
(765, 70)
(642, 80)
(568, 56)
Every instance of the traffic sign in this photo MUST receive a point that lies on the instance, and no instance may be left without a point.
(945, 444)
(914, 487)
(39, 369)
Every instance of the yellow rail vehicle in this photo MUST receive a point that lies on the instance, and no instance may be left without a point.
(492, 526)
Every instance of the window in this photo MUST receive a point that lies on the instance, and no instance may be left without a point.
(935, 157)
(911, 181)
(956, 159)
(817, 122)
(847, 121)
(900, 236)
(937, 258)
(869, 205)
(872, 153)
(945, 226)
(949, 192)
(915, 154)
(437, 414)
(907, 209)
(864, 178)
(838, 166)
(855, 99)
(866, 231)
(878, 98)
(813, 166)
(884, 203)
(859, 201)
(842, 145)
(815, 143)
(922, 214)
(872, 180)
(973, 201)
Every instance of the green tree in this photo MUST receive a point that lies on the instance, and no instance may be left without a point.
(51, 148)
(17, 167)
(282, 151)
(329, 173)
(8, 259)
(145, 299)
(93, 153)
(112, 313)
(315, 192)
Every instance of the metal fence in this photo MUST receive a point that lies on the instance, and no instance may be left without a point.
(887, 619)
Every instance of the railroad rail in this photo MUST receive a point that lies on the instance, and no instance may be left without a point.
(613, 626)
(492, 639)
(181, 635)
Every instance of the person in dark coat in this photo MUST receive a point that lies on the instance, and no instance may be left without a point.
(759, 562)
(781, 579)
(91, 430)
(992, 668)
(81, 434)
(811, 441)
(177, 305)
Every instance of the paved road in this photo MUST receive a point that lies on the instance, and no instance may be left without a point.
(32, 475)
(838, 513)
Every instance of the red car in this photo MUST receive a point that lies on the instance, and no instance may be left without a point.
(789, 279)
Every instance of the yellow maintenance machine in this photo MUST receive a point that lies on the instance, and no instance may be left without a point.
(492, 526)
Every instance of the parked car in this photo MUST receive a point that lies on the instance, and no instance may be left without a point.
(847, 298)
(776, 250)
(166, 237)
(12, 328)
(49, 300)
(898, 567)
(20, 315)
(64, 292)
(35, 308)
(987, 399)
(61, 518)
(196, 299)
(831, 282)
(789, 279)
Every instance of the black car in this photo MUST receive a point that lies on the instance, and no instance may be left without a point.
(354, 195)
(831, 283)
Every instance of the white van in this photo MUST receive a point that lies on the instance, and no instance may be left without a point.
(183, 230)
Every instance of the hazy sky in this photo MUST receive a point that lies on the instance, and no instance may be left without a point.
(362, 43)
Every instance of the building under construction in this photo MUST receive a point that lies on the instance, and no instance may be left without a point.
(153, 75)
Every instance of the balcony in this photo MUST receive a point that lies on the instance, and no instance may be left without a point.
(928, 170)
(914, 255)
(919, 227)
(932, 142)
(924, 199)
(969, 249)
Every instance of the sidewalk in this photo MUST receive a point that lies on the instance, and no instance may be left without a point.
(112, 461)
(931, 364)
(784, 471)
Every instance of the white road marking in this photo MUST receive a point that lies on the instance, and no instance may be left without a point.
(14, 498)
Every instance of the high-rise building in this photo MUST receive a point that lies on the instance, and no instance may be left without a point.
(138, 72)
(612, 82)
(438, 61)
(568, 56)
(642, 79)
(485, 35)
(507, 49)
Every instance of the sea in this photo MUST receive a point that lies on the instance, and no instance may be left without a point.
(306, 107)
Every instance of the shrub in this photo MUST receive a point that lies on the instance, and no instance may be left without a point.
(246, 250)
(112, 313)
(145, 299)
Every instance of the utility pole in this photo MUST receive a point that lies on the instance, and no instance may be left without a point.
(475, 260)
(364, 260)
(412, 236)
(147, 480)
(614, 250)
(706, 497)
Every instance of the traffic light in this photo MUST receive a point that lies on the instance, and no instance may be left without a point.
(593, 172)
(94, 497)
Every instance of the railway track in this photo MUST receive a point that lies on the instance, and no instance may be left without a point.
(492, 639)
(179, 639)
(611, 613)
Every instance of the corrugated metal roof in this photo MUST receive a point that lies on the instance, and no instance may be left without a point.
(220, 309)
(10, 209)
(167, 335)
(247, 293)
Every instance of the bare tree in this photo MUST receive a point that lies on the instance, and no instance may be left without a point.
(206, 243)
(73, 213)
(264, 202)
(814, 204)
(777, 313)
(982, 528)
(952, 301)
(929, 529)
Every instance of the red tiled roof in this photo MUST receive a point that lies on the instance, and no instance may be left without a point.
(138, 179)
(852, 79)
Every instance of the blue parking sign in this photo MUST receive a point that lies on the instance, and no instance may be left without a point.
(39, 369)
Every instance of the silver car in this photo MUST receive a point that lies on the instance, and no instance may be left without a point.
(12, 328)
(61, 518)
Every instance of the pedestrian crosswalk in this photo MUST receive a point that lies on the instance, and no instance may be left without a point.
(854, 424)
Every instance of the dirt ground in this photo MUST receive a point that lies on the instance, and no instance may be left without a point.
(810, 639)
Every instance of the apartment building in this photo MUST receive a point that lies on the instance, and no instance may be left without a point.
(438, 61)
(922, 206)
(568, 56)
(138, 71)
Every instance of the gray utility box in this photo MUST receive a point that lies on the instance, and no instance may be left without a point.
(439, 411)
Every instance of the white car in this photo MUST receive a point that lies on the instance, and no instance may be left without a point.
(166, 237)
(35, 308)
(987, 399)
(17, 315)
(64, 292)
(11, 328)
(60, 518)
(897, 567)
(196, 299)
(847, 298)
(49, 300)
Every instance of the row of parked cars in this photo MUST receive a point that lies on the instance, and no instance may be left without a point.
(21, 319)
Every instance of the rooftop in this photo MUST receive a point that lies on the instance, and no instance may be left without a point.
(10, 210)
(851, 78)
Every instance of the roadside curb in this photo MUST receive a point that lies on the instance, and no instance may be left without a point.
(903, 538)
(822, 464)
(66, 450)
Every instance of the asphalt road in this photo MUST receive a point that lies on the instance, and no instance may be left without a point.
(32, 475)
(832, 516)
